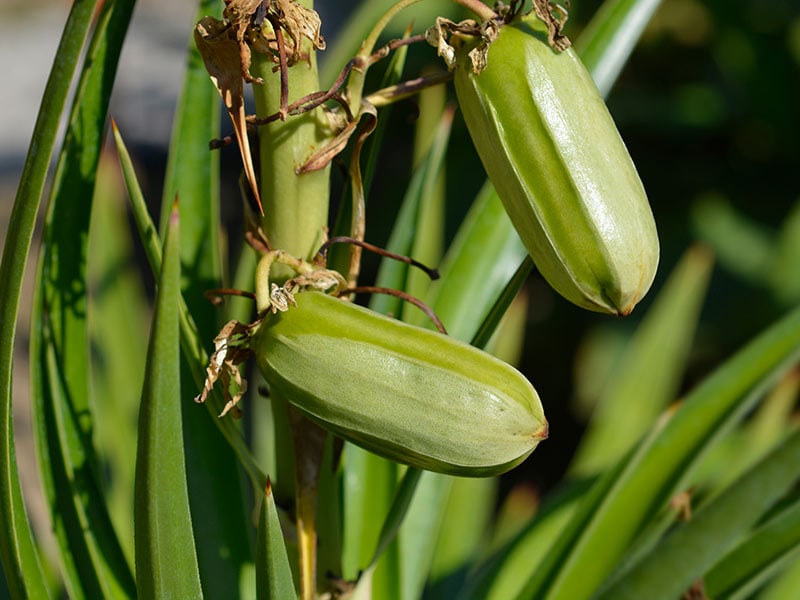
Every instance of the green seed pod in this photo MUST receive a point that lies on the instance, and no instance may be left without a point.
(556, 159)
(412, 395)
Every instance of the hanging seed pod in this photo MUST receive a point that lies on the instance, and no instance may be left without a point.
(552, 151)
(409, 394)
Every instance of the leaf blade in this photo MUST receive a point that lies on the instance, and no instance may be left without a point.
(166, 561)
(694, 546)
(21, 565)
(214, 475)
(273, 573)
(614, 512)
(93, 560)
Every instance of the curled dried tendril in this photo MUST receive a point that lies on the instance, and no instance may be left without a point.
(555, 17)
(231, 348)
(438, 36)
(255, 24)
(321, 280)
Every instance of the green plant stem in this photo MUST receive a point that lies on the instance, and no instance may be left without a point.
(295, 206)
(355, 86)
(295, 221)
(479, 8)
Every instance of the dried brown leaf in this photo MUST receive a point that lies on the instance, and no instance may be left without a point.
(240, 14)
(545, 11)
(220, 53)
(299, 22)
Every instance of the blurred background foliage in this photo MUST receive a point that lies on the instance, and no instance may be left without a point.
(708, 106)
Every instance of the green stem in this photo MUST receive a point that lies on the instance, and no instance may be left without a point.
(295, 206)
(295, 221)
(485, 13)
(355, 86)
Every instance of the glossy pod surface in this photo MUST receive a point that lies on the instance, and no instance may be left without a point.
(553, 152)
(409, 394)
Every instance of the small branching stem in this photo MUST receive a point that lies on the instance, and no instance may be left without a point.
(479, 8)
(371, 289)
(432, 273)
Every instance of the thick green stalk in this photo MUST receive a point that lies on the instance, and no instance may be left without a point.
(295, 206)
(295, 220)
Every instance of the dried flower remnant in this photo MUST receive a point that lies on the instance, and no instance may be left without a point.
(299, 22)
(240, 15)
(220, 51)
(231, 348)
(256, 24)
(555, 17)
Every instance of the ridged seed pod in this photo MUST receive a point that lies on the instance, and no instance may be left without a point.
(556, 159)
(409, 394)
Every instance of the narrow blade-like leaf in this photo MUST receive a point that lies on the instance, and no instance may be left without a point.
(166, 562)
(20, 559)
(215, 477)
(273, 573)
(615, 512)
(682, 558)
(651, 370)
(91, 556)
(758, 556)
(608, 40)
(191, 343)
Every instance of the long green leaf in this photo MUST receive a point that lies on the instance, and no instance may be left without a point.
(368, 487)
(116, 288)
(91, 555)
(214, 473)
(679, 560)
(741, 245)
(404, 494)
(608, 40)
(418, 534)
(462, 535)
(758, 556)
(785, 585)
(166, 562)
(191, 343)
(273, 573)
(672, 309)
(392, 273)
(503, 574)
(19, 556)
(482, 259)
(650, 373)
(783, 276)
(610, 518)
(433, 127)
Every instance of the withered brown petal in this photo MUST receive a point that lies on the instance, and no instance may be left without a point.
(221, 56)
(300, 22)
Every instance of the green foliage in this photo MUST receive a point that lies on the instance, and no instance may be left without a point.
(684, 479)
